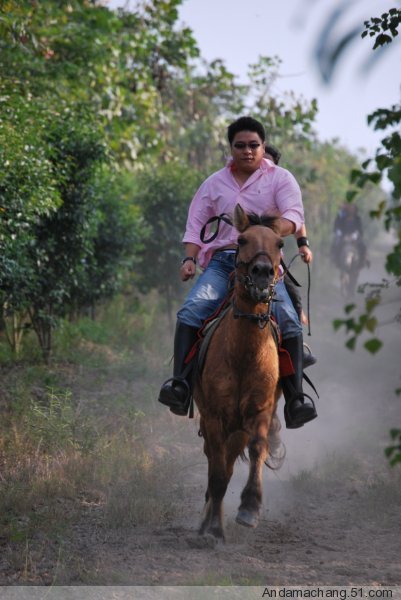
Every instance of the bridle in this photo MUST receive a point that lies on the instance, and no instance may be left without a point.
(261, 319)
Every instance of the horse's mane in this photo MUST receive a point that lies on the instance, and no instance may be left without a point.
(265, 220)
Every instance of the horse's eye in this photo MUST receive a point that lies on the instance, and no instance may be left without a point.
(280, 244)
(241, 241)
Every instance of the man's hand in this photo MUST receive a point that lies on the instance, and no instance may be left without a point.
(187, 270)
(306, 254)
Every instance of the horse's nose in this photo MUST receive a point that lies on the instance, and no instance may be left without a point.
(262, 273)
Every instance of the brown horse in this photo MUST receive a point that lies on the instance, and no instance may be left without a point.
(237, 391)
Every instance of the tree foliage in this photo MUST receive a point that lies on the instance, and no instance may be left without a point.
(109, 122)
(164, 196)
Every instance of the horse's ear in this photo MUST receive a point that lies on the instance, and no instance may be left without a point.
(241, 221)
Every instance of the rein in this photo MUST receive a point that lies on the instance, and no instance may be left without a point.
(223, 217)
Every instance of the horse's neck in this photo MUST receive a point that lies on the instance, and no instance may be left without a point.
(246, 305)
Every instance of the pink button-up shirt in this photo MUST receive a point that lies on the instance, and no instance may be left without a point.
(271, 190)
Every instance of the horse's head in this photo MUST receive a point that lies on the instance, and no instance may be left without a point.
(259, 254)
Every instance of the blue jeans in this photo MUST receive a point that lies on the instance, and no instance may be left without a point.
(211, 288)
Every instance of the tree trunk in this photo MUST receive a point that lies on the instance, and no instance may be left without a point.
(43, 329)
(14, 327)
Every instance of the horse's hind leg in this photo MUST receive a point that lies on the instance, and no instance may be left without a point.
(251, 497)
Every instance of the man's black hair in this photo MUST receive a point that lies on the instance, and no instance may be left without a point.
(274, 153)
(245, 124)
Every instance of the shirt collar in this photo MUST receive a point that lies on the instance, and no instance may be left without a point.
(266, 164)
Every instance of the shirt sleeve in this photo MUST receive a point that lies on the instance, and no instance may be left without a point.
(198, 213)
(288, 198)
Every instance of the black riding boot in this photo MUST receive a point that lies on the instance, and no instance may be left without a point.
(176, 392)
(299, 407)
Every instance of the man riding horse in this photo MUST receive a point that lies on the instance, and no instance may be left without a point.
(348, 225)
(260, 187)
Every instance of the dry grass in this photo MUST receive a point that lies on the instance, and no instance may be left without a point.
(74, 444)
(46, 491)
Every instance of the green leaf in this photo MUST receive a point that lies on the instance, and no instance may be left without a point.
(374, 177)
(337, 323)
(371, 303)
(393, 263)
(350, 195)
(355, 173)
(373, 345)
(395, 433)
(351, 343)
(395, 460)
(371, 324)
(381, 40)
(383, 161)
(350, 324)
(349, 308)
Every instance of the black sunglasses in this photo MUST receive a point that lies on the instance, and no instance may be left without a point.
(242, 145)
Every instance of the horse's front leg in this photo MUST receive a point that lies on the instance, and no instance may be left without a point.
(251, 497)
(215, 451)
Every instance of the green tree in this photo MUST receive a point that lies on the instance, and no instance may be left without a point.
(164, 195)
(118, 238)
(119, 64)
(28, 192)
(65, 231)
(63, 240)
(202, 100)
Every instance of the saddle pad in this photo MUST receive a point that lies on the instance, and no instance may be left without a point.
(285, 364)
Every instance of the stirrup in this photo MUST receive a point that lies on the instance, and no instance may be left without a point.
(176, 406)
(294, 423)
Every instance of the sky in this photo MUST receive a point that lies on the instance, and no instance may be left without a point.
(239, 31)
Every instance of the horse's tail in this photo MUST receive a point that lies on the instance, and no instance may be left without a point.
(277, 449)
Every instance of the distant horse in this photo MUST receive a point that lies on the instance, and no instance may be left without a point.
(237, 391)
(349, 263)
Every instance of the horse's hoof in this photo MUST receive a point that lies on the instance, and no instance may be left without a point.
(247, 518)
(218, 534)
(212, 536)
